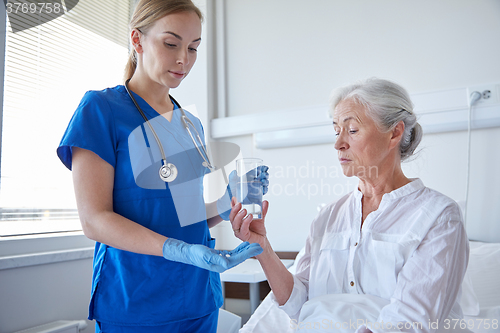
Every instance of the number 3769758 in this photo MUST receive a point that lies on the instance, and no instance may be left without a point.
(34, 8)
(471, 324)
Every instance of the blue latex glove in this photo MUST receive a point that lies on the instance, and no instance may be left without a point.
(204, 257)
(224, 203)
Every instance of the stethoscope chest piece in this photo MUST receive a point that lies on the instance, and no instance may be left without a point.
(168, 172)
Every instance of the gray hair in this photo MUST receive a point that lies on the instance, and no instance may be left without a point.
(387, 103)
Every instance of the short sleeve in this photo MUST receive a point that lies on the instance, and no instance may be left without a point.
(92, 127)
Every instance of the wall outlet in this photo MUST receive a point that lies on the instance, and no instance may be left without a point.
(490, 94)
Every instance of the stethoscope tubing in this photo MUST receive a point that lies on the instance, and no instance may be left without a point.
(186, 122)
(163, 158)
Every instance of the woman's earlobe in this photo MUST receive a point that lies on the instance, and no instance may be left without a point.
(397, 134)
(137, 47)
(136, 40)
(399, 130)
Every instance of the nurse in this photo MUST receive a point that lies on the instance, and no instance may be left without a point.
(155, 267)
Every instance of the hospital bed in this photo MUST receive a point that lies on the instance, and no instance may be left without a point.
(228, 322)
(480, 299)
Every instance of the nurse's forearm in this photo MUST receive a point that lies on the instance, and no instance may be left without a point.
(93, 179)
(119, 232)
(213, 217)
(279, 278)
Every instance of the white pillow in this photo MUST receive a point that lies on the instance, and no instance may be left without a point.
(484, 272)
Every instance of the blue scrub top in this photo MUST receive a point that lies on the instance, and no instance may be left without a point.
(133, 289)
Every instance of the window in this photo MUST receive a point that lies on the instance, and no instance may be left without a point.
(48, 68)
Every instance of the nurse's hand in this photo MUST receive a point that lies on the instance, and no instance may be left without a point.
(245, 227)
(258, 186)
(204, 257)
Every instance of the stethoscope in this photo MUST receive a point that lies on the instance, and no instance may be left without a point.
(168, 172)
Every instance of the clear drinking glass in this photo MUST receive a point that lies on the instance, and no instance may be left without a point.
(249, 188)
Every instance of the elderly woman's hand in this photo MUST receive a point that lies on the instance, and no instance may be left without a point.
(247, 228)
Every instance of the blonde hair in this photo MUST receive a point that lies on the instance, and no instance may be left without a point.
(146, 13)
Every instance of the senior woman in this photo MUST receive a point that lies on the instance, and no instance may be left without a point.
(392, 237)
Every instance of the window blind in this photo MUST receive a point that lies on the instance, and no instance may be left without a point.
(48, 68)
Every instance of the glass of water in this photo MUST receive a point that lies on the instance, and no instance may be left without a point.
(249, 187)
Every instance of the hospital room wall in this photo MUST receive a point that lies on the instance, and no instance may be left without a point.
(285, 54)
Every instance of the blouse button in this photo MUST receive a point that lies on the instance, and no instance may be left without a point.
(352, 283)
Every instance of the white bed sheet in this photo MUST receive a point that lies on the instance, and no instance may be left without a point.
(480, 295)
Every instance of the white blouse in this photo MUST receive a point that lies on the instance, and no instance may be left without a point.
(413, 251)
